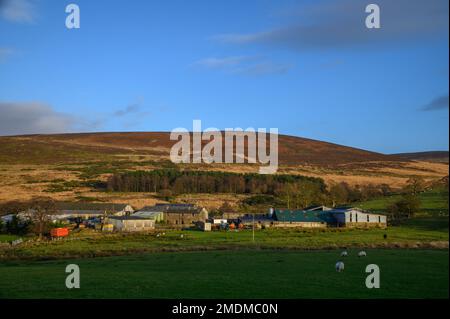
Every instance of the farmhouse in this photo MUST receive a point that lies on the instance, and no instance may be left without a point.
(130, 223)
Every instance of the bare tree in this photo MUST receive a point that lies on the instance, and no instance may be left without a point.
(41, 208)
(415, 185)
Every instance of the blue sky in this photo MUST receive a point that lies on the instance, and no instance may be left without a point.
(308, 68)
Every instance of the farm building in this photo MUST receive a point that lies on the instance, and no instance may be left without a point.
(177, 215)
(7, 218)
(260, 220)
(130, 223)
(150, 212)
(82, 210)
(354, 217)
(300, 218)
(218, 221)
(317, 208)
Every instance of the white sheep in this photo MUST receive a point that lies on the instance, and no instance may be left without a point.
(339, 266)
(181, 236)
(344, 253)
(362, 253)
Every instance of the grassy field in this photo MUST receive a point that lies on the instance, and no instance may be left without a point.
(433, 214)
(93, 244)
(433, 203)
(5, 238)
(234, 274)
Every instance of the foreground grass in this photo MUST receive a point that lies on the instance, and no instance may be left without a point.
(234, 274)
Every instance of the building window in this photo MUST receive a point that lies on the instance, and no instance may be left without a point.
(368, 219)
(351, 217)
(379, 219)
(356, 217)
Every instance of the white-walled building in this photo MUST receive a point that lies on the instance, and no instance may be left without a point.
(351, 217)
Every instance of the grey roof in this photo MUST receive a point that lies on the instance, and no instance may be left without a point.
(128, 218)
(85, 206)
(172, 208)
(146, 213)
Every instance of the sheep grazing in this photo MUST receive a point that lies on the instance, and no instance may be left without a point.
(362, 253)
(181, 236)
(339, 266)
(344, 253)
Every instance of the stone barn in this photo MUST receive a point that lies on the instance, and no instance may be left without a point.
(175, 215)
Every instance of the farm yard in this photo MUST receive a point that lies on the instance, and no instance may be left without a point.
(405, 273)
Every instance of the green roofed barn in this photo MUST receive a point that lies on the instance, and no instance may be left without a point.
(301, 218)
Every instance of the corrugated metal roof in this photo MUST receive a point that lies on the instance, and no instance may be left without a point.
(287, 215)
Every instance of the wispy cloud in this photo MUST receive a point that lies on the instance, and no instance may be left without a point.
(340, 24)
(439, 103)
(132, 115)
(223, 62)
(21, 11)
(264, 68)
(130, 109)
(246, 65)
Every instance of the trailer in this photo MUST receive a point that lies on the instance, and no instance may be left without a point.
(59, 232)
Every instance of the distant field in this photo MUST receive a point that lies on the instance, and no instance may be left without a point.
(234, 274)
(432, 216)
(433, 203)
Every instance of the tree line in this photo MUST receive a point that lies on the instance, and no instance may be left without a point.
(189, 182)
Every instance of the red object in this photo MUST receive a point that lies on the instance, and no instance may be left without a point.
(59, 232)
